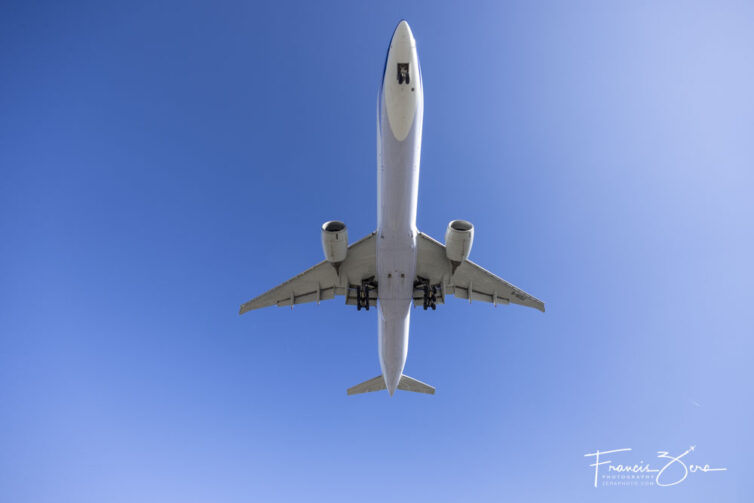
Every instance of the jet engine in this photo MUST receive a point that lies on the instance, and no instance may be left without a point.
(458, 240)
(334, 241)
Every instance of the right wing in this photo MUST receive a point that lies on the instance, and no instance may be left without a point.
(324, 281)
(467, 281)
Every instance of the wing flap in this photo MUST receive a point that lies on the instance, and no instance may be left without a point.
(314, 296)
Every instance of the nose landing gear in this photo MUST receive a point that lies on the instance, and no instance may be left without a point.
(403, 75)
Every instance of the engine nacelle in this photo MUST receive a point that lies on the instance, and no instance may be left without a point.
(458, 240)
(334, 241)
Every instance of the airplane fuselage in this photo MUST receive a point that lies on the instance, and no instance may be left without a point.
(396, 266)
(399, 134)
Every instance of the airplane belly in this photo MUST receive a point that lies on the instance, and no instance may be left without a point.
(399, 131)
(396, 267)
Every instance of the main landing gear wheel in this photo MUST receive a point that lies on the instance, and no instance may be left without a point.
(430, 293)
(362, 293)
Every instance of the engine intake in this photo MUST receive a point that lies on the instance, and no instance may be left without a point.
(458, 240)
(334, 241)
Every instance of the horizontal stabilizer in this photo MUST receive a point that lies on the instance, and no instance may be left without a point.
(374, 384)
(378, 383)
(410, 384)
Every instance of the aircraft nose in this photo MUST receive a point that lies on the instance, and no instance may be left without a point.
(403, 36)
(401, 83)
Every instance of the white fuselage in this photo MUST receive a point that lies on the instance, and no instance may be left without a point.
(399, 133)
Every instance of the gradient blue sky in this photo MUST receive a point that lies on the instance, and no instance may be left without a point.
(163, 162)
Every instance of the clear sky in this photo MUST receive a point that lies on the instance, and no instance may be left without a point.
(163, 162)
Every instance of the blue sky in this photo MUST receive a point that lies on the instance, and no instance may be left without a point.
(163, 162)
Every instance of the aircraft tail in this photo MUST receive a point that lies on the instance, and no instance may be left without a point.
(378, 383)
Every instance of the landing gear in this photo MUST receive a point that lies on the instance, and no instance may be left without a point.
(430, 293)
(362, 293)
(403, 75)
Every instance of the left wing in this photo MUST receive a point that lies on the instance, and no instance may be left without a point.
(467, 281)
(324, 281)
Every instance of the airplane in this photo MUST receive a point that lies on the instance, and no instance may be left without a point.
(397, 265)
